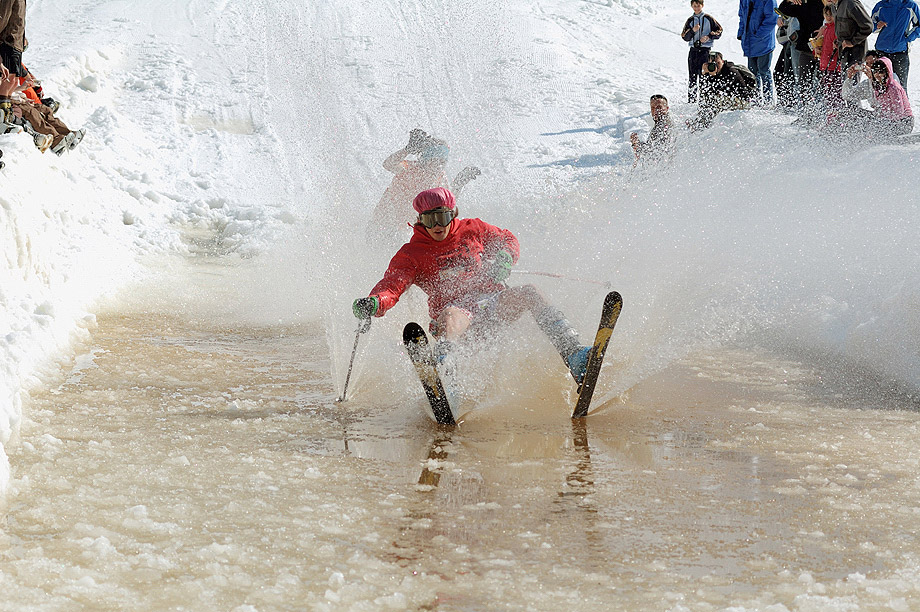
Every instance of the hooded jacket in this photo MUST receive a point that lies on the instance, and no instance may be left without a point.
(447, 270)
(902, 18)
(756, 27)
(891, 104)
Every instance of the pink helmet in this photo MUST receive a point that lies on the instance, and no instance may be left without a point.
(434, 198)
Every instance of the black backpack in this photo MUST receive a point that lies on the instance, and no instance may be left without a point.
(749, 79)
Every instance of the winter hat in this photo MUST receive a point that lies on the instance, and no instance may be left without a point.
(439, 197)
(438, 149)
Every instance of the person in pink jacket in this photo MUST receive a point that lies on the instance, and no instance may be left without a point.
(891, 114)
(461, 264)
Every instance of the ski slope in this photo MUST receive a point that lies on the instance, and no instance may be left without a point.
(254, 131)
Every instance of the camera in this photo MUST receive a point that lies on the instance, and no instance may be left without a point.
(711, 65)
(697, 44)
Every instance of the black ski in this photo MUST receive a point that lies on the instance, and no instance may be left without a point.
(613, 303)
(416, 342)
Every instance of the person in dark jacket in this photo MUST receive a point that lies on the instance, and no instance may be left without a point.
(898, 24)
(756, 26)
(13, 35)
(699, 31)
(853, 26)
(722, 87)
(810, 14)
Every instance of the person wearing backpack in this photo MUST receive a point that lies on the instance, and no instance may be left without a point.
(723, 86)
(756, 27)
(699, 31)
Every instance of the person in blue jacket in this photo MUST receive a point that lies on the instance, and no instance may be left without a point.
(897, 23)
(757, 22)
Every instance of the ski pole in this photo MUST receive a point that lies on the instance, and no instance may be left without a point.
(605, 284)
(363, 326)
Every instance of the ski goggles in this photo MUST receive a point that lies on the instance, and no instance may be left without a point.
(437, 216)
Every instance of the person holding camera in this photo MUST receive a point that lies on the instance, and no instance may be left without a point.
(699, 31)
(891, 114)
(417, 166)
(756, 28)
(723, 86)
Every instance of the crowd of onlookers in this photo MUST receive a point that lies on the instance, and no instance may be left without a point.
(23, 104)
(824, 73)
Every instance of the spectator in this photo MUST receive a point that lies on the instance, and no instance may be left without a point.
(756, 27)
(660, 143)
(425, 169)
(787, 32)
(898, 24)
(852, 25)
(891, 114)
(699, 31)
(13, 35)
(810, 14)
(829, 66)
(38, 120)
(723, 86)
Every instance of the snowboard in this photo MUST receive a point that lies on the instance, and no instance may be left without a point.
(422, 357)
(613, 303)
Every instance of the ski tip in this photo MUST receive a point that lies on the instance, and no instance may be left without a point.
(413, 332)
(613, 297)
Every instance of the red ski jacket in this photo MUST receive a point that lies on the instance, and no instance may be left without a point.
(447, 270)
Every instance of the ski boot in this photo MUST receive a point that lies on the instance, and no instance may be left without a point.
(75, 137)
(42, 141)
(578, 362)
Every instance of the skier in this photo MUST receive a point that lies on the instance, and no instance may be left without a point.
(461, 265)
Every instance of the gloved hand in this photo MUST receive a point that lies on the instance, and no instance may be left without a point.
(501, 266)
(418, 140)
(467, 174)
(366, 307)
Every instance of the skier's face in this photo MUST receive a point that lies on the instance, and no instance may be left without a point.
(697, 8)
(659, 108)
(439, 232)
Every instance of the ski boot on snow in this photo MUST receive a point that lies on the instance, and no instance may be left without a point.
(42, 141)
(75, 137)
